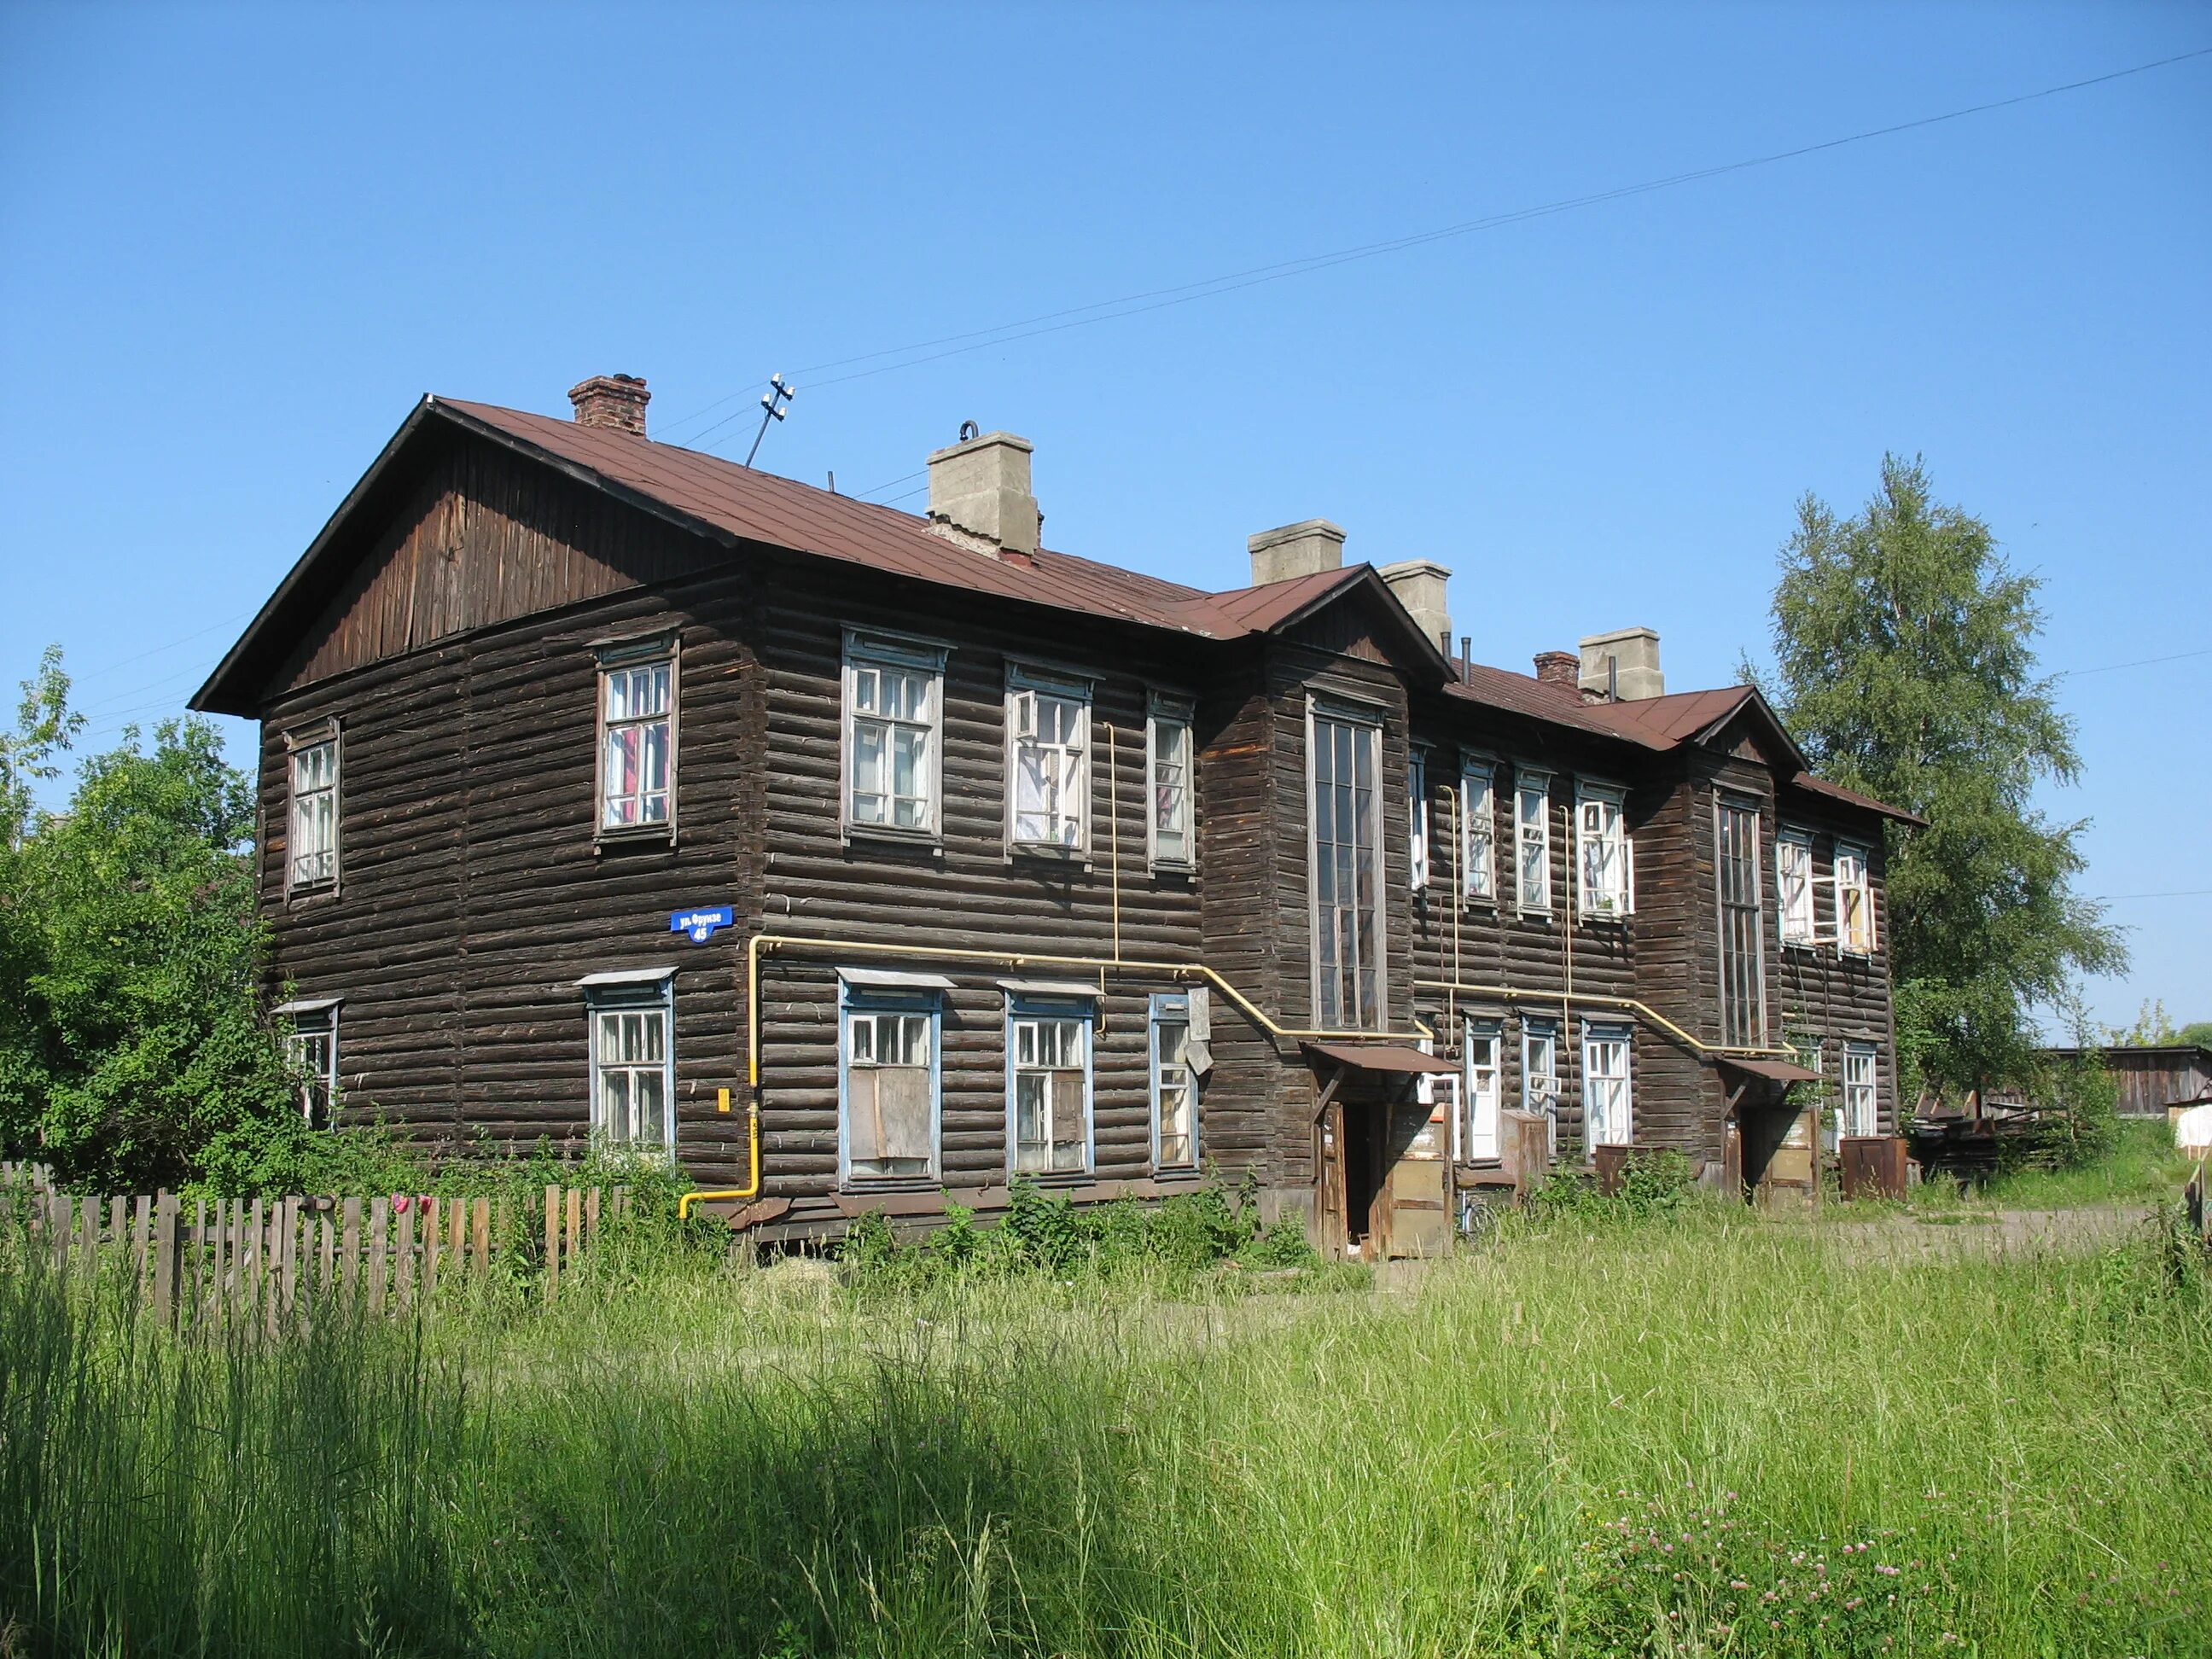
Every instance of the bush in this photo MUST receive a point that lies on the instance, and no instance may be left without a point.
(1048, 1235)
(1660, 1183)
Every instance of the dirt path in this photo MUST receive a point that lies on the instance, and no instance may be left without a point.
(1998, 1231)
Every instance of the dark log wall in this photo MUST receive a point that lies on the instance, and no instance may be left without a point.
(1293, 672)
(472, 897)
(967, 894)
(1817, 991)
(1493, 942)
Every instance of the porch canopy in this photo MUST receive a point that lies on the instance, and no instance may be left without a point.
(1397, 1058)
(1774, 1071)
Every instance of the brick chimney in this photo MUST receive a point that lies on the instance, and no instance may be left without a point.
(980, 496)
(1560, 668)
(615, 402)
(1296, 550)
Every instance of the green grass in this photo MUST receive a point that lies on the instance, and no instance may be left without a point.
(2142, 1164)
(1696, 1433)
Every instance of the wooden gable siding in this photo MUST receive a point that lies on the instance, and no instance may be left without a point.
(967, 894)
(486, 537)
(472, 897)
(1346, 628)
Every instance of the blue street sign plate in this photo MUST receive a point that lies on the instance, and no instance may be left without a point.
(701, 925)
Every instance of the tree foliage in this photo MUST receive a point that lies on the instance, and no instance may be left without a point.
(1905, 650)
(132, 1049)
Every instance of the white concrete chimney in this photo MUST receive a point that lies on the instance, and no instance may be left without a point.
(1296, 550)
(1623, 664)
(1420, 585)
(980, 496)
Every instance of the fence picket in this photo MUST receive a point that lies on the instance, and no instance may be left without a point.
(552, 1242)
(164, 1255)
(141, 1240)
(351, 1262)
(403, 1261)
(380, 1238)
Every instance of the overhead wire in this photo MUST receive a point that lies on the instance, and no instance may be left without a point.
(1150, 299)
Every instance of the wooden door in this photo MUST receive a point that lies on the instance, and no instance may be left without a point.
(1413, 1203)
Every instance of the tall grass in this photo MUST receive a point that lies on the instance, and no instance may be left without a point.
(1695, 1435)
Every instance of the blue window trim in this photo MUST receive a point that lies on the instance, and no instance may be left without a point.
(888, 1000)
(1170, 1006)
(1022, 1007)
(657, 994)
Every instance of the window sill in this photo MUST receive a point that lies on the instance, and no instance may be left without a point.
(1478, 902)
(1606, 918)
(891, 834)
(311, 893)
(1189, 1172)
(1055, 1178)
(1048, 852)
(1545, 917)
(890, 1184)
(1179, 869)
(643, 835)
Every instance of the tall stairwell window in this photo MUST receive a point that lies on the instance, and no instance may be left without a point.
(1742, 920)
(1346, 762)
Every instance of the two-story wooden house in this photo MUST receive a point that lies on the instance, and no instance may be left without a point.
(857, 858)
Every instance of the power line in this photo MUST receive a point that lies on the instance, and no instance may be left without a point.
(2117, 898)
(1132, 304)
(2140, 662)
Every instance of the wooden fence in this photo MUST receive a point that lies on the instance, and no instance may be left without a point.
(264, 1260)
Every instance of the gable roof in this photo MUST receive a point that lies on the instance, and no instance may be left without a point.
(730, 504)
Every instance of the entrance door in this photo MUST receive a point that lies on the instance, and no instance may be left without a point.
(1413, 1208)
(1776, 1145)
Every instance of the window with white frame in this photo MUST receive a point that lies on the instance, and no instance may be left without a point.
(1170, 842)
(314, 855)
(1417, 817)
(1048, 1088)
(1608, 1106)
(1175, 1086)
(311, 1045)
(632, 1053)
(894, 731)
(1478, 831)
(1047, 760)
(889, 1100)
(1540, 1075)
(1854, 902)
(1862, 1107)
(1605, 857)
(1532, 840)
(637, 736)
(1793, 885)
(1343, 752)
(1480, 1085)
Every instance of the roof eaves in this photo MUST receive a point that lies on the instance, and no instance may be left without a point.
(213, 697)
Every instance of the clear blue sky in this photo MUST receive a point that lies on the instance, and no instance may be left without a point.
(240, 243)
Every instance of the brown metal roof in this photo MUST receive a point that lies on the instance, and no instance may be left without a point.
(1399, 1058)
(1812, 786)
(733, 502)
(761, 506)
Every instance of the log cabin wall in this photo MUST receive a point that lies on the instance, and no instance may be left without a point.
(1677, 931)
(1825, 997)
(967, 892)
(1498, 942)
(1346, 666)
(473, 894)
